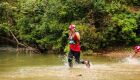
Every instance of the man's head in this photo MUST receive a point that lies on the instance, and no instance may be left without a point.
(72, 27)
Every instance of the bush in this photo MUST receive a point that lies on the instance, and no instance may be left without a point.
(124, 24)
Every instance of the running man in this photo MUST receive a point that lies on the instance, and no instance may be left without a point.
(74, 41)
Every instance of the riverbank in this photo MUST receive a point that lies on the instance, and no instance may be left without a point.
(114, 52)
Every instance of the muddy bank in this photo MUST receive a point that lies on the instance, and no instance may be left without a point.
(121, 53)
(115, 52)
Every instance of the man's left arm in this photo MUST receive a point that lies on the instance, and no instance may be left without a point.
(77, 36)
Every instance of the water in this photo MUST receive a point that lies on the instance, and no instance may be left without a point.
(54, 67)
(130, 60)
(10, 60)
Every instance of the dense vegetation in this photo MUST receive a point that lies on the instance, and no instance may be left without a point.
(43, 24)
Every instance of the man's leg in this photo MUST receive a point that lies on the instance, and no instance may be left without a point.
(77, 59)
(70, 57)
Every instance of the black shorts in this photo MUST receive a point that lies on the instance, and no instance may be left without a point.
(75, 54)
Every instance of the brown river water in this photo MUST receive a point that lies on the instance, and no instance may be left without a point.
(54, 67)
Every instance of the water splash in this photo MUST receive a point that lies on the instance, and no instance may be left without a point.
(130, 60)
(75, 65)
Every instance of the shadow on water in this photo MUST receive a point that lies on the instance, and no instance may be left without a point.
(55, 67)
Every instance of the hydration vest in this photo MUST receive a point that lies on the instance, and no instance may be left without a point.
(74, 43)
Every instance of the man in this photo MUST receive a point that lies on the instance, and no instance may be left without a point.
(74, 41)
(137, 50)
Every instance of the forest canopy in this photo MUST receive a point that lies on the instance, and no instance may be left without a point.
(43, 24)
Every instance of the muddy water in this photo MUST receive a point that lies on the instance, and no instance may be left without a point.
(54, 67)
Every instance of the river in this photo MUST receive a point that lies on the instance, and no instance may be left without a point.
(54, 67)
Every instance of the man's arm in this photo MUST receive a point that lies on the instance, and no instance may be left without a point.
(77, 36)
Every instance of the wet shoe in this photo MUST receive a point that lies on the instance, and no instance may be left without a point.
(87, 64)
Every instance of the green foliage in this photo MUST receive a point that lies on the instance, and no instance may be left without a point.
(137, 31)
(131, 2)
(99, 5)
(68, 10)
(127, 2)
(115, 7)
(126, 25)
(6, 17)
(88, 37)
(3, 29)
(44, 23)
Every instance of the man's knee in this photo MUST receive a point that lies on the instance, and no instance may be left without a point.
(69, 59)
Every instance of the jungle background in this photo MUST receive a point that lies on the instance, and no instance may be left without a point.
(43, 24)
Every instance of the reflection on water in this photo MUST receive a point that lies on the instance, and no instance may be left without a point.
(9, 60)
(54, 67)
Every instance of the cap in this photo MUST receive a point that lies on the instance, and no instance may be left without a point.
(72, 26)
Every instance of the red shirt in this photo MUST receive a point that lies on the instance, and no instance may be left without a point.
(76, 45)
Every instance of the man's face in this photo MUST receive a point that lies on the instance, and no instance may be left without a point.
(72, 30)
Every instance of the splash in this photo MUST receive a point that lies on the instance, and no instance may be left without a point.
(75, 65)
(130, 60)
